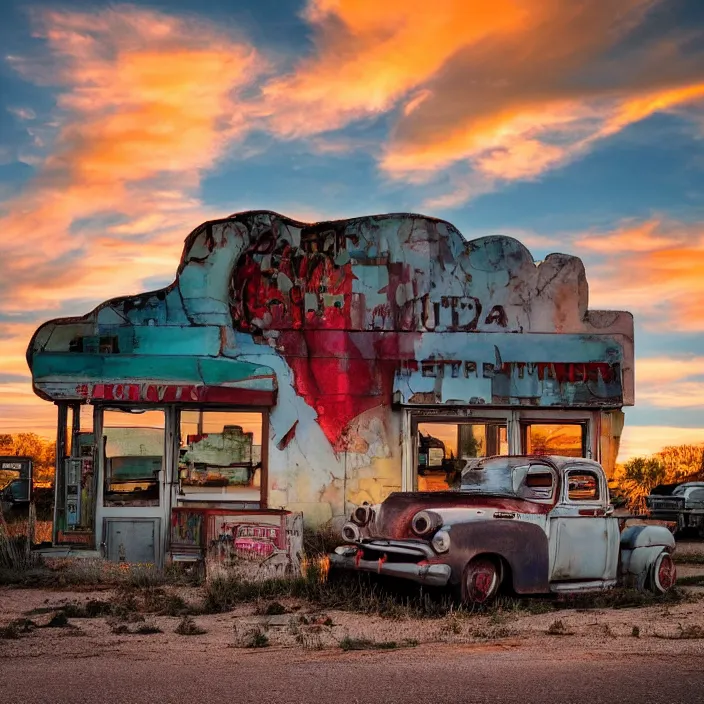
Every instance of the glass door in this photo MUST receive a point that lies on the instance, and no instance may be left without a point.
(443, 448)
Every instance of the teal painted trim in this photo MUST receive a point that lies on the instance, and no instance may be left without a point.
(214, 372)
(190, 341)
(79, 367)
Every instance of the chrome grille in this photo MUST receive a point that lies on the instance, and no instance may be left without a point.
(665, 504)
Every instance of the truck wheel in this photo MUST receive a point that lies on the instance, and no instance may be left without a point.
(480, 581)
(664, 573)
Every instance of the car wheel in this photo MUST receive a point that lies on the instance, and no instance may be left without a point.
(480, 581)
(664, 573)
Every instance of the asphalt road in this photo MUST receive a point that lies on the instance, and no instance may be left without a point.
(431, 674)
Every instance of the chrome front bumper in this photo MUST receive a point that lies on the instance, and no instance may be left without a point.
(435, 575)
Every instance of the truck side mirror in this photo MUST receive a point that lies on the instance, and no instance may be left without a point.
(609, 510)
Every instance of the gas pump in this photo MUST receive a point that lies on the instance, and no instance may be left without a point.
(79, 491)
(73, 486)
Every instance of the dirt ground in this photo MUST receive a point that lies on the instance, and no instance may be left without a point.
(667, 629)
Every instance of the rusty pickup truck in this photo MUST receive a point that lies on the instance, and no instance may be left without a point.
(528, 524)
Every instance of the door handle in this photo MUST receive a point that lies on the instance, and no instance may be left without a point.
(592, 512)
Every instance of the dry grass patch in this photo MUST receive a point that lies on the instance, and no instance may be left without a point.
(142, 629)
(558, 628)
(348, 643)
(688, 558)
(689, 632)
(493, 633)
(250, 637)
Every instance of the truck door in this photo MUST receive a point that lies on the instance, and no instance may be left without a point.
(583, 536)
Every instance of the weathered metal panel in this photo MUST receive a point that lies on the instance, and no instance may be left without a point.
(255, 545)
(540, 370)
(135, 540)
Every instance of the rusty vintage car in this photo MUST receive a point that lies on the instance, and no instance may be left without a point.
(681, 504)
(529, 524)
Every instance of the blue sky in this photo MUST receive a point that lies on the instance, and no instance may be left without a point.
(574, 127)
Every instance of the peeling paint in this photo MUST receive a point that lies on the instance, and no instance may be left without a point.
(335, 325)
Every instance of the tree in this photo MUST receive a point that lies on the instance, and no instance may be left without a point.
(671, 465)
(682, 462)
(640, 475)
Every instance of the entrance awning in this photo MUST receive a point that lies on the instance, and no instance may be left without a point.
(152, 379)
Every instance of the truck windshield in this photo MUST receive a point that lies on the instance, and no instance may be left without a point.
(491, 480)
(508, 476)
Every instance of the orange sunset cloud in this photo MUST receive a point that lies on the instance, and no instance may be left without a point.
(641, 441)
(401, 104)
(654, 269)
(146, 102)
(667, 382)
(501, 87)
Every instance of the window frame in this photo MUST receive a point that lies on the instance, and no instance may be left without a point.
(128, 411)
(583, 424)
(576, 469)
(420, 417)
(544, 469)
(264, 455)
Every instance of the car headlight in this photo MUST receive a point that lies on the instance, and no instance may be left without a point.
(362, 515)
(441, 541)
(425, 522)
(350, 533)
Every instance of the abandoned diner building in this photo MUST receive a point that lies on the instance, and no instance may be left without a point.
(293, 371)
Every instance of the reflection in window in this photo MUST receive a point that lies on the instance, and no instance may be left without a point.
(7, 476)
(582, 486)
(134, 451)
(554, 439)
(220, 456)
(444, 448)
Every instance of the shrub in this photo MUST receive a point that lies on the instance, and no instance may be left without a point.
(557, 628)
(148, 629)
(258, 639)
(9, 632)
(348, 643)
(58, 620)
(188, 627)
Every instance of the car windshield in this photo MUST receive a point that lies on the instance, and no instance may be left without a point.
(501, 475)
(681, 489)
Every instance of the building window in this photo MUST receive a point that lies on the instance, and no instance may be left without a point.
(444, 448)
(220, 456)
(133, 447)
(566, 439)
